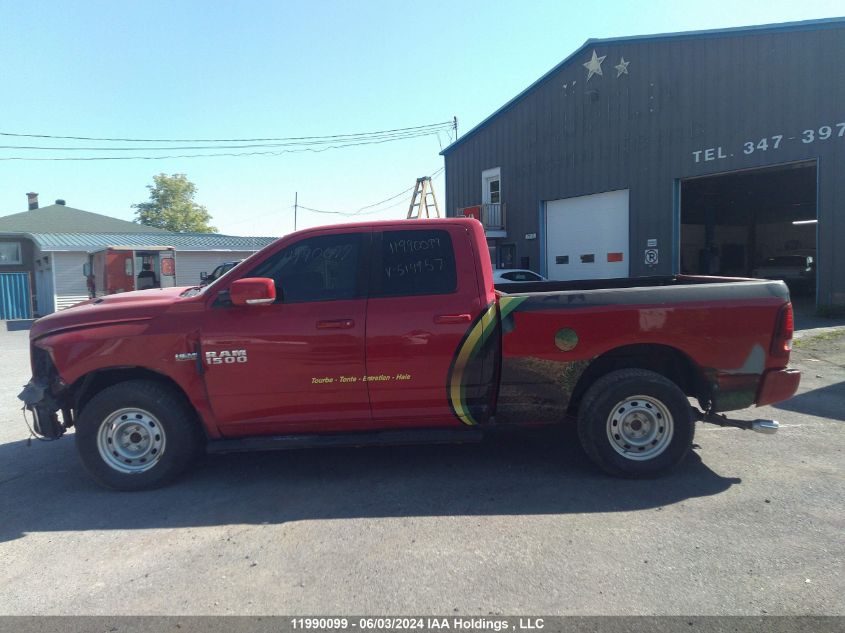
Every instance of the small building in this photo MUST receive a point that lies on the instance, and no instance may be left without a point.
(715, 152)
(43, 251)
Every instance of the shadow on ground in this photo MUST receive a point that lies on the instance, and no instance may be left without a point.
(825, 402)
(45, 489)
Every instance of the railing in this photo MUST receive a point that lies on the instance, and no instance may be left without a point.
(492, 216)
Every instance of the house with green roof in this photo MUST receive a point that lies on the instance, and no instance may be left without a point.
(43, 251)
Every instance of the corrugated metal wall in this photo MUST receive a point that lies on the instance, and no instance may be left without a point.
(15, 296)
(70, 282)
(685, 107)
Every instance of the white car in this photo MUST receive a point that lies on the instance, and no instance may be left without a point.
(798, 271)
(515, 275)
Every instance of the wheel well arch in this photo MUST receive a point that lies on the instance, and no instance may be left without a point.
(89, 385)
(669, 362)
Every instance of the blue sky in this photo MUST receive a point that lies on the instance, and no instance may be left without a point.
(200, 69)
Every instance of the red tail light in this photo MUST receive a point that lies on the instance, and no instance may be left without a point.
(784, 329)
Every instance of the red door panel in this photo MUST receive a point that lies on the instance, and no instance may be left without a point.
(293, 377)
(424, 298)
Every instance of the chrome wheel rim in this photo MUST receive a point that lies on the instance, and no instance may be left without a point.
(131, 440)
(640, 428)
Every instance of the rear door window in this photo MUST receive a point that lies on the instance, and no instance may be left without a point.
(415, 262)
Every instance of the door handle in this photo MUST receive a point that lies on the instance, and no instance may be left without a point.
(336, 324)
(453, 318)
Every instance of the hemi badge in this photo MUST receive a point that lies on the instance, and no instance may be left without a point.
(192, 356)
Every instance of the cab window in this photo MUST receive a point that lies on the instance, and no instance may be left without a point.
(414, 262)
(323, 268)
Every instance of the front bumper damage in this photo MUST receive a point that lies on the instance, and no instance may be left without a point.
(42, 396)
(45, 408)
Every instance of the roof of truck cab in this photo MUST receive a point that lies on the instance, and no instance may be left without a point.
(383, 224)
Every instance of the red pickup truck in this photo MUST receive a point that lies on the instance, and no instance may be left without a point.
(393, 332)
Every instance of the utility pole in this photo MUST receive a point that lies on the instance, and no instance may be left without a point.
(455, 123)
(295, 205)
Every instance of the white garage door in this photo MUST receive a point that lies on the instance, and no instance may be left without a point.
(587, 237)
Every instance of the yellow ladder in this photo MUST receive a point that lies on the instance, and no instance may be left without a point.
(423, 201)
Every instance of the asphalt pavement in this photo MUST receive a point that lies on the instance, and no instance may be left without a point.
(749, 525)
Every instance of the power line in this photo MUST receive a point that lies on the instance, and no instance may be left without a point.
(229, 140)
(367, 139)
(209, 155)
(360, 211)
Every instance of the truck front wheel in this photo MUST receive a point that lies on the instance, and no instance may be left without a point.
(136, 435)
(635, 423)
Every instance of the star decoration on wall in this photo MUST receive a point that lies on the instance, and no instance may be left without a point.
(621, 67)
(594, 65)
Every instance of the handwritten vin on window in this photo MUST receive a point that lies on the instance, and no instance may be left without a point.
(418, 264)
(421, 266)
(305, 254)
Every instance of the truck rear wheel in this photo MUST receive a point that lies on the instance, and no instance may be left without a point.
(635, 423)
(136, 435)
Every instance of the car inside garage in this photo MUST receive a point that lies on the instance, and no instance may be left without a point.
(753, 223)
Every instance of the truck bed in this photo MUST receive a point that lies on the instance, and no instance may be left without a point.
(615, 283)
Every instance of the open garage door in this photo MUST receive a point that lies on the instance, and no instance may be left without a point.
(753, 223)
(587, 237)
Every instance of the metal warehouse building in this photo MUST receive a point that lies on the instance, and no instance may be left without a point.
(714, 152)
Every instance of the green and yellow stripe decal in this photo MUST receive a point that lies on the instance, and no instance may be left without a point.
(469, 349)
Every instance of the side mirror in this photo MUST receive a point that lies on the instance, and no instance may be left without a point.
(252, 291)
(203, 276)
(86, 269)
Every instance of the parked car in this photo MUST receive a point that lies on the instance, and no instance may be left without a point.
(798, 271)
(222, 269)
(515, 275)
(393, 332)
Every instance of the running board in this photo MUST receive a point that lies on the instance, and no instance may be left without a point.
(768, 427)
(346, 440)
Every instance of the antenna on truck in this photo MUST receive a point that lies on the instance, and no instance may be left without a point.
(423, 201)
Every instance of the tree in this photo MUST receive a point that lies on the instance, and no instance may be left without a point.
(172, 207)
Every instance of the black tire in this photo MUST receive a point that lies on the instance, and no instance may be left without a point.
(169, 437)
(664, 416)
